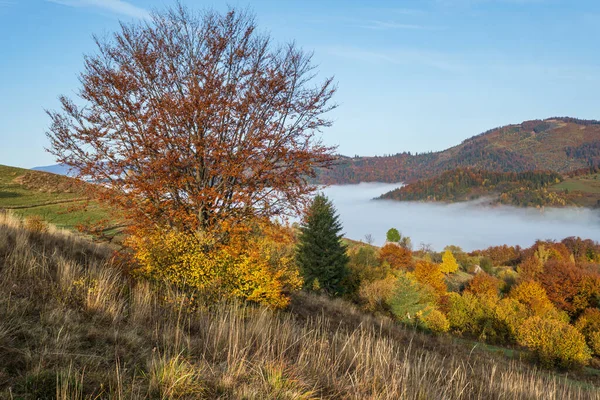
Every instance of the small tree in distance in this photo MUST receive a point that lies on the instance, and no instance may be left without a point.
(449, 264)
(321, 255)
(393, 235)
(196, 120)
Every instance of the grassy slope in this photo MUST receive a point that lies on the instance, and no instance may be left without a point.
(53, 197)
(72, 326)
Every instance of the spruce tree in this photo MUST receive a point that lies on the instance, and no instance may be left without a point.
(321, 255)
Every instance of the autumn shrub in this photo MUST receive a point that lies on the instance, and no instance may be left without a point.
(375, 295)
(364, 266)
(396, 256)
(475, 316)
(594, 342)
(555, 343)
(434, 320)
(588, 324)
(509, 315)
(430, 274)
(530, 268)
(509, 278)
(589, 292)
(484, 284)
(253, 265)
(533, 296)
(35, 223)
(561, 280)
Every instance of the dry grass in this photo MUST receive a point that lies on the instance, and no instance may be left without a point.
(72, 326)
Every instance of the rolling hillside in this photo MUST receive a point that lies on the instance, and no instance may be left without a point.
(555, 144)
(57, 199)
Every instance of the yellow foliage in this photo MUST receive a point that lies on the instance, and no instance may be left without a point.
(594, 342)
(430, 274)
(375, 295)
(556, 343)
(589, 324)
(434, 320)
(533, 296)
(449, 264)
(510, 313)
(258, 266)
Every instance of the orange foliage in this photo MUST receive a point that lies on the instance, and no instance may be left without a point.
(189, 139)
(501, 255)
(530, 268)
(398, 257)
(561, 281)
(428, 273)
(484, 285)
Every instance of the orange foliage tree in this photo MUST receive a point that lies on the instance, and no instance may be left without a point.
(484, 285)
(428, 273)
(189, 120)
(562, 282)
(397, 256)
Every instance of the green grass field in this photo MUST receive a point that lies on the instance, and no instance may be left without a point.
(28, 193)
(586, 184)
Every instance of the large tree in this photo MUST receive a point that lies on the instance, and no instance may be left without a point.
(321, 255)
(190, 120)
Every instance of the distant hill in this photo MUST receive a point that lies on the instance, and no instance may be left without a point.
(523, 189)
(556, 144)
(61, 200)
(59, 169)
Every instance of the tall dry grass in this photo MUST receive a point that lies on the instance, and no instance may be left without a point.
(73, 326)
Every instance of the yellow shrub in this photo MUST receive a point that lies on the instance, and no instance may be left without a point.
(589, 324)
(554, 342)
(257, 266)
(465, 313)
(375, 295)
(435, 321)
(594, 342)
(510, 314)
(533, 296)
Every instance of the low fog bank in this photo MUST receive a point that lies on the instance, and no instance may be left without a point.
(468, 225)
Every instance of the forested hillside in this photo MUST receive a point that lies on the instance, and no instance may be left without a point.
(524, 189)
(556, 144)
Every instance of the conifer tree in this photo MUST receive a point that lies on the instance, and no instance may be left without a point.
(321, 255)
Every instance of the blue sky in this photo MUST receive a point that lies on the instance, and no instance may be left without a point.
(412, 75)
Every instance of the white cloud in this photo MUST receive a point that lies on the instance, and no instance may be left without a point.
(115, 6)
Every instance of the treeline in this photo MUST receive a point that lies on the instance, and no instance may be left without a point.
(405, 167)
(590, 152)
(508, 148)
(462, 184)
(544, 298)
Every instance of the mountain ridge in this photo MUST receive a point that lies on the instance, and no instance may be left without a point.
(559, 144)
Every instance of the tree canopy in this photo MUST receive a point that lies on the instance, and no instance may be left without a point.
(193, 119)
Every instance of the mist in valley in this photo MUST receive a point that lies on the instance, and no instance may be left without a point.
(468, 225)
